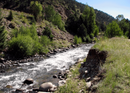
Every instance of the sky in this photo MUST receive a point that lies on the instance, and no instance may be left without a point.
(111, 7)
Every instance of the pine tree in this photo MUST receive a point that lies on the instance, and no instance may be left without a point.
(92, 22)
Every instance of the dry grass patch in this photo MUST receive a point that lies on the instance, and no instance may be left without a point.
(117, 65)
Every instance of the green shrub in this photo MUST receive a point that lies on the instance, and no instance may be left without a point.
(113, 30)
(54, 17)
(0, 14)
(45, 41)
(91, 35)
(48, 33)
(10, 17)
(77, 40)
(88, 39)
(21, 46)
(96, 30)
(29, 31)
(3, 35)
(36, 8)
(58, 21)
(25, 42)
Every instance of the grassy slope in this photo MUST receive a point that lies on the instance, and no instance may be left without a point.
(117, 65)
(61, 38)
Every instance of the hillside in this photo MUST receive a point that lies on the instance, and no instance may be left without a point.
(55, 24)
(64, 7)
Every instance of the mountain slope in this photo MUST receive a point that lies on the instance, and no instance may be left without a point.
(64, 7)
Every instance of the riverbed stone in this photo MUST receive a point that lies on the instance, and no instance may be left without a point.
(47, 87)
(28, 81)
(61, 82)
(55, 76)
(88, 84)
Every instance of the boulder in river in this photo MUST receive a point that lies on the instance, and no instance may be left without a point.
(28, 81)
(47, 87)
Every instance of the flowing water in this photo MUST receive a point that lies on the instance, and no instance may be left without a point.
(43, 70)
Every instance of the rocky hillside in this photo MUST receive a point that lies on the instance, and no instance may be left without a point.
(49, 24)
(64, 7)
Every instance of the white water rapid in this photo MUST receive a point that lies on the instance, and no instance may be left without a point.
(15, 76)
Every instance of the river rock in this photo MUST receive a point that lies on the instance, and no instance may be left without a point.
(88, 84)
(19, 90)
(28, 81)
(47, 87)
(55, 76)
(61, 82)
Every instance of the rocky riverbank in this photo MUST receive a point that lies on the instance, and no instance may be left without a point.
(56, 78)
(90, 74)
(9, 60)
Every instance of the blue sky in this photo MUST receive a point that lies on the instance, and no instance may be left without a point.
(112, 7)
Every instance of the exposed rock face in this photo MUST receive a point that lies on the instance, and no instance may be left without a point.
(92, 65)
(91, 70)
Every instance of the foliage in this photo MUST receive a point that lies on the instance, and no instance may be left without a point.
(45, 41)
(48, 33)
(54, 17)
(124, 24)
(10, 17)
(49, 13)
(0, 15)
(26, 42)
(96, 30)
(82, 30)
(77, 40)
(3, 35)
(36, 8)
(83, 25)
(21, 46)
(113, 29)
(119, 17)
(88, 39)
(58, 21)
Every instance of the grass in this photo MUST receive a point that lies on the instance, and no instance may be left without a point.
(117, 65)
(74, 84)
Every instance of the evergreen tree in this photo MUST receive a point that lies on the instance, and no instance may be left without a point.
(85, 17)
(82, 30)
(92, 22)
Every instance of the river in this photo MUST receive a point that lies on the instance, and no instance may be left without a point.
(42, 71)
